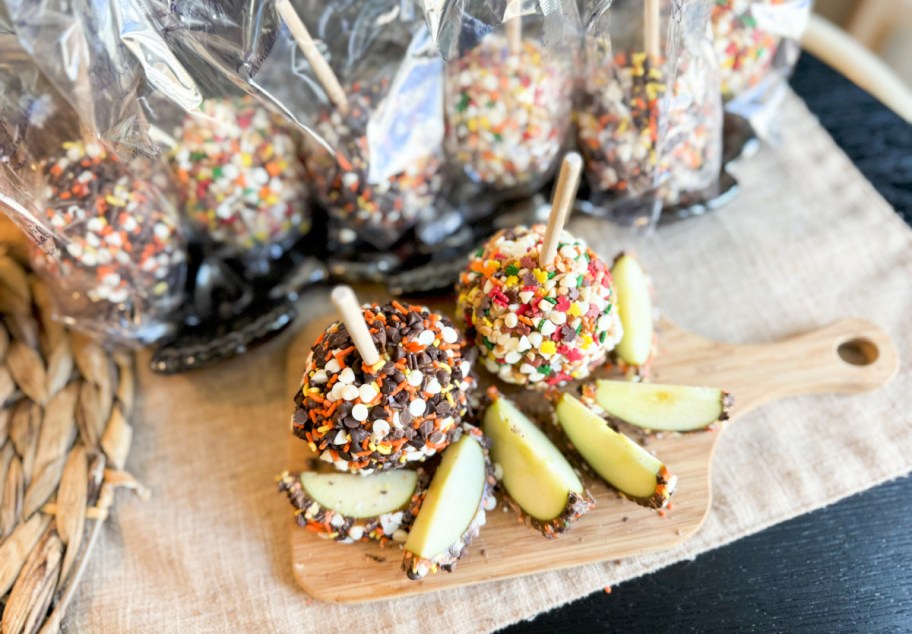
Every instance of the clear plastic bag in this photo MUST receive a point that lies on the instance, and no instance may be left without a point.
(106, 238)
(107, 61)
(757, 44)
(692, 152)
(622, 114)
(508, 96)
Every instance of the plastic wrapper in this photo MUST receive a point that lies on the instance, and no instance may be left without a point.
(691, 157)
(108, 63)
(622, 113)
(106, 238)
(757, 43)
(508, 96)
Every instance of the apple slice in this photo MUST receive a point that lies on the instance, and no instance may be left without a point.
(622, 463)
(453, 510)
(348, 507)
(659, 407)
(539, 481)
(634, 298)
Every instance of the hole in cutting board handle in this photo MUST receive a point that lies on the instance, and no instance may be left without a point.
(858, 352)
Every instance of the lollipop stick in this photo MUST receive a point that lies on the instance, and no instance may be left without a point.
(514, 35)
(324, 73)
(345, 301)
(651, 27)
(561, 203)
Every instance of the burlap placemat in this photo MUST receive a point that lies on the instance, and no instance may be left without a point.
(807, 241)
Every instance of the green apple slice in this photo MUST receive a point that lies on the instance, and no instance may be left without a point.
(360, 496)
(452, 512)
(621, 462)
(347, 507)
(634, 300)
(663, 407)
(536, 476)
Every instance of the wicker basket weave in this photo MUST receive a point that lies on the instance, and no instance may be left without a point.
(64, 437)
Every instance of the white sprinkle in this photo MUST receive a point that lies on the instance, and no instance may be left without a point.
(341, 438)
(349, 392)
(356, 533)
(417, 407)
(524, 344)
(381, 428)
(426, 337)
(449, 335)
(433, 386)
(535, 338)
(415, 378)
(319, 377)
(513, 357)
(332, 366)
(511, 320)
(548, 327)
(367, 393)
(347, 376)
(359, 412)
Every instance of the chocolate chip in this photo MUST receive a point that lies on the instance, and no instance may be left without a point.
(350, 422)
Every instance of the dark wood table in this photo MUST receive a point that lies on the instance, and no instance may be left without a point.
(845, 568)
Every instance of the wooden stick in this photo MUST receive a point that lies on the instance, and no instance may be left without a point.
(324, 73)
(514, 30)
(651, 29)
(347, 303)
(561, 204)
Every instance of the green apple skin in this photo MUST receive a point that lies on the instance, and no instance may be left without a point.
(619, 461)
(658, 407)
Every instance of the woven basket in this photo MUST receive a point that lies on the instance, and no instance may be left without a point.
(64, 438)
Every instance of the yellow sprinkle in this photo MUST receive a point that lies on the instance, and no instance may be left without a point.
(540, 275)
(512, 281)
(575, 310)
(548, 347)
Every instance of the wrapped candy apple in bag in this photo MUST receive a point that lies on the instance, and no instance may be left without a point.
(106, 238)
(757, 43)
(375, 85)
(508, 98)
(622, 112)
(691, 159)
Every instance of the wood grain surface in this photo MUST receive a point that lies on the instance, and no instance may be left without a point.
(808, 363)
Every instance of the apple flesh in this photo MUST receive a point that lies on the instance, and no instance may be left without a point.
(620, 462)
(538, 479)
(453, 510)
(659, 407)
(348, 507)
(634, 299)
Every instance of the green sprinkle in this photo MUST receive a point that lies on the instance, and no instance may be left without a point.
(544, 369)
(602, 337)
(217, 172)
(512, 270)
(550, 300)
(607, 309)
(197, 156)
(579, 327)
(579, 281)
(552, 274)
(488, 344)
(463, 104)
(479, 252)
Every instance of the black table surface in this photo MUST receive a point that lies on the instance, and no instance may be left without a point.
(844, 568)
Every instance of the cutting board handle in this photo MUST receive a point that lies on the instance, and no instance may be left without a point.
(845, 357)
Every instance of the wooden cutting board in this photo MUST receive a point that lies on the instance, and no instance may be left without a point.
(847, 357)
